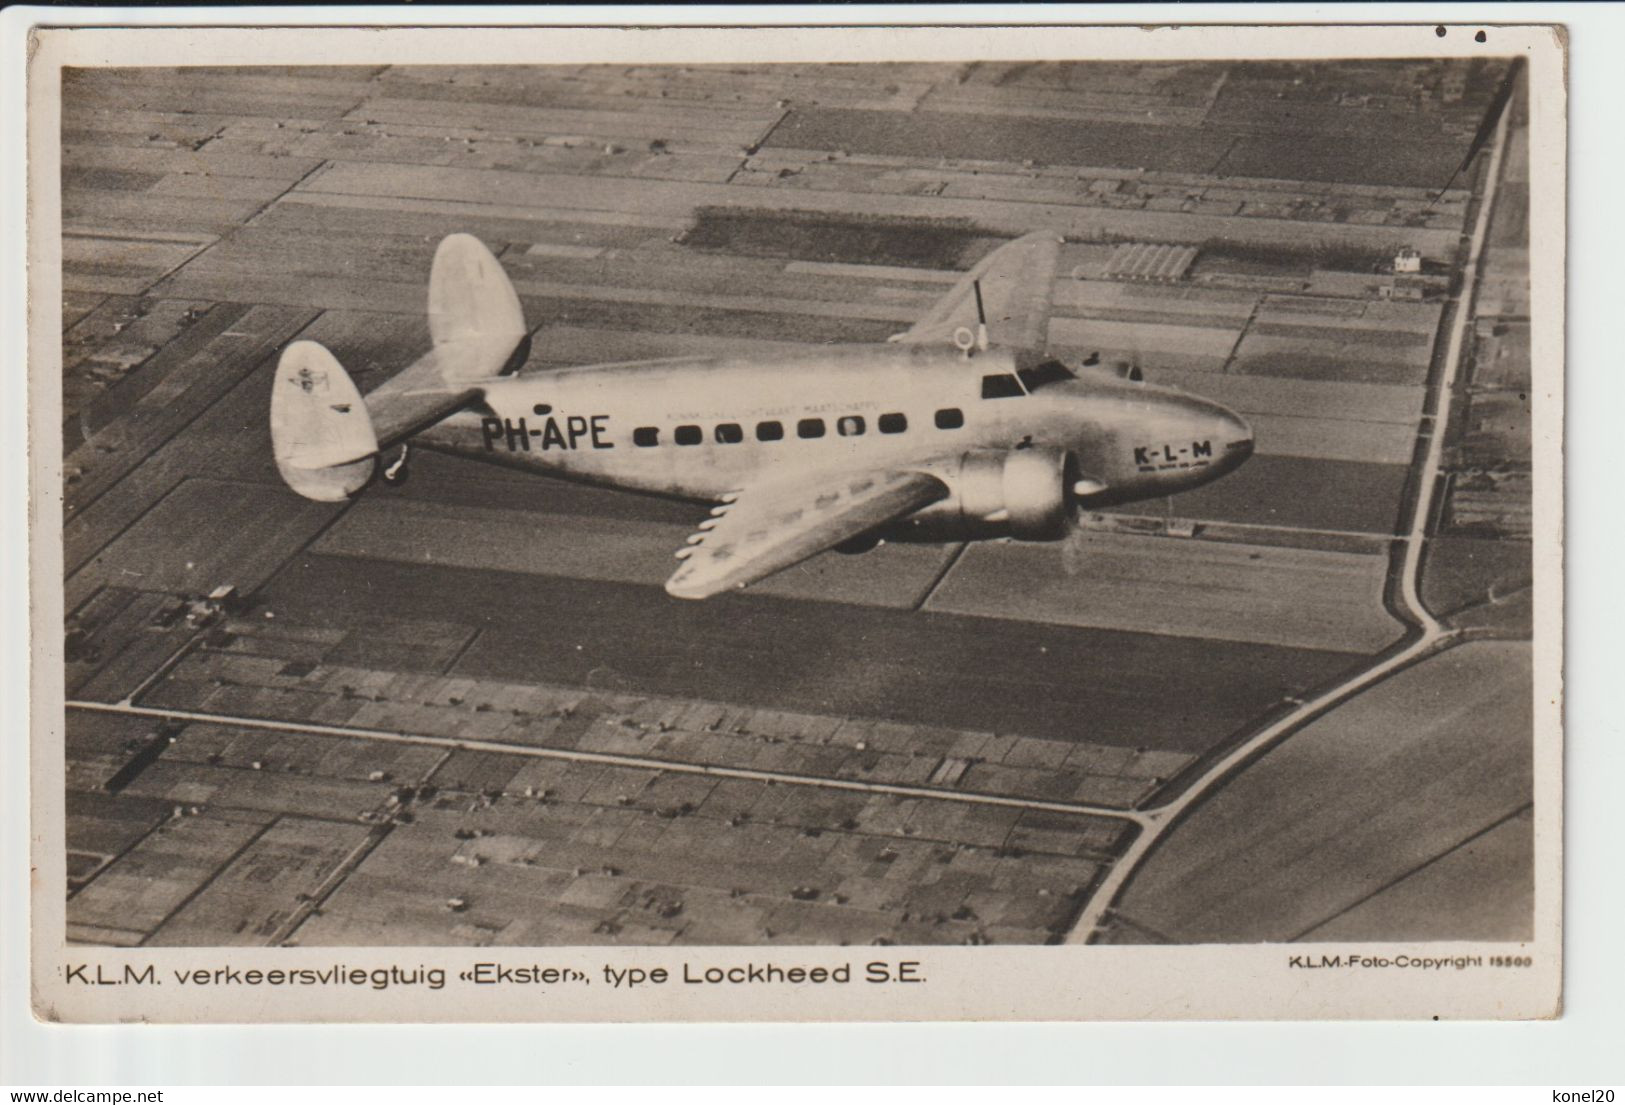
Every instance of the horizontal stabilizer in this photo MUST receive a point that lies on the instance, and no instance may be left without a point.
(320, 431)
(479, 333)
(416, 398)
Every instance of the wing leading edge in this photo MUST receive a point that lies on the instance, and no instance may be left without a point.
(771, 527)
(1017, 281)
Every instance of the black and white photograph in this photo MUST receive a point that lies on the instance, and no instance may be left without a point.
(1085, 502)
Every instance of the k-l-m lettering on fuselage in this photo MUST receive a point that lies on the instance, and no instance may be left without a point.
(962, 427)
(1160, 458)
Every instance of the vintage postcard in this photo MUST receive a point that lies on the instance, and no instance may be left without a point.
(796, 523)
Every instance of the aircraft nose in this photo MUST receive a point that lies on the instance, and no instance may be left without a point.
(1237, 436)
(1230, 434)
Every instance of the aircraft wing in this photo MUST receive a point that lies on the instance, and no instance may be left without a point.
(1017, 280)
(772, 526)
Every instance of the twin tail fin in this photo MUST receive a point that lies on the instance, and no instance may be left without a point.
(326, 437)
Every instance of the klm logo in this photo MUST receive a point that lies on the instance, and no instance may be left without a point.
(1160, 458)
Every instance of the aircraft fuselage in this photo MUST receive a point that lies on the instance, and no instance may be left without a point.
(701, 428)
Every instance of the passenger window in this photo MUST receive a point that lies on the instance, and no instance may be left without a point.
(729, 433)
(950, 418)
(770, 431)
(892, 423)
(687, 435)
(810, 427)
(1001, 385)
(850, 425)
(646, 436)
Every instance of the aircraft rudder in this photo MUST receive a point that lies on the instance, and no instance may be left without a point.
(475, 317)
(321, 431)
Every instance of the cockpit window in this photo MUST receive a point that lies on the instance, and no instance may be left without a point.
(1001, 385)
(1050, 372)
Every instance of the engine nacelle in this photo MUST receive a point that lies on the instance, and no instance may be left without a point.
(1020, 492)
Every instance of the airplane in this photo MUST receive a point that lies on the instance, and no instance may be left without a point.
(961, 428)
